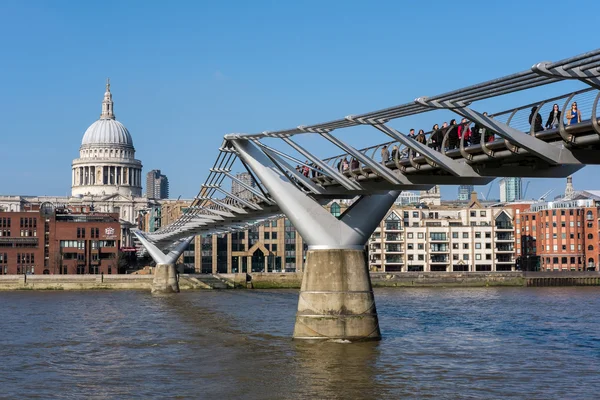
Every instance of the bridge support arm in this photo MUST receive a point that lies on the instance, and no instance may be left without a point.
(165, 275)
(336, 299)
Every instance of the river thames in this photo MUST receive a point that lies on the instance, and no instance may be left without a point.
(533, 343)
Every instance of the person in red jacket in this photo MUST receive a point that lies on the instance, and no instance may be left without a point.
(464, 130)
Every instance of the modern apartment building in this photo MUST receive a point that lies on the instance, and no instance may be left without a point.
(472, 238)
(238, 188)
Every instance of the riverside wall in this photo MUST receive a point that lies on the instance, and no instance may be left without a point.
(292, 280)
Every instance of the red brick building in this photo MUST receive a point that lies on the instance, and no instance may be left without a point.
(560, 235)
(58, 241)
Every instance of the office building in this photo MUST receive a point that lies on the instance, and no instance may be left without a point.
(510, 189)
(464, 192)
(157, 185)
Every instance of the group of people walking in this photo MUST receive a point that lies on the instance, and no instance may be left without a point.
(573, 117)
(475, 134)
(456, 132)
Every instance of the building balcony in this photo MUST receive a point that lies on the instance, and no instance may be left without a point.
(439, 240)
(505, 227)
(505, 249)
(394, 260)
(504, 260)
(394, 249)
(394, 238)
(375, 251)
(503, 237)
(439, 260)
(439, 249)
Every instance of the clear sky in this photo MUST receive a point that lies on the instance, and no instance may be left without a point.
(184, 73)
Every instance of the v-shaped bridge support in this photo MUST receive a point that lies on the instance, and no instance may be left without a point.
(165, 275)
(336, 299)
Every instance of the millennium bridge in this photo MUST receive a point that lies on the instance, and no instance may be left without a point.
(336, 299)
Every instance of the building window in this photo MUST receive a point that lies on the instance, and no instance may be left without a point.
(420, 257)
(420, 246)
(477, 235)
(267, 235)
(589, 216)
(590, 248)
(465, 246)
(478, 245)
(482, 213)
(409, 235)
(478, 256)
(590, 236)
(420, 235)
(563, 260)
(488, 256)
(473, 214)
(273, 247)
(465, 257)
(455, 256)
(437, 235)
(335, 210)
(455, 246)
(410, 246)
(465, 235)
(454, 235)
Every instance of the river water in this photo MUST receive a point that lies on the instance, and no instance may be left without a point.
(524, 343)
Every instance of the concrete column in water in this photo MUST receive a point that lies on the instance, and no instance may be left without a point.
(336, 299)
(165, 279)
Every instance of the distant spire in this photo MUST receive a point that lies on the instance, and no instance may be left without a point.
(569, 191)
(107, 103)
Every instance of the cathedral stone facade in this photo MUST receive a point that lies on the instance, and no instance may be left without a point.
(105, 178)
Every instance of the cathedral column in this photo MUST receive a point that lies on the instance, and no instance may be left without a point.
(92, 175)
(118, 175)
(80, 176)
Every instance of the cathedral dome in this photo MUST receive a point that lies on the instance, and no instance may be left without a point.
(107, 131)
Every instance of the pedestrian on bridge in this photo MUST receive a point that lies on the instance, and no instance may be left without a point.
(437, 137)
(452, 135)
(385, 155)
(553, 117)
(537, 126)
(573, 115)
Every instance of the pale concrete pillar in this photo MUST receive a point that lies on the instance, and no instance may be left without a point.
(165, 279)
(336, 298)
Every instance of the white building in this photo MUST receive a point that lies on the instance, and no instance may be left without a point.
(106, 162)
(473, 238)
(406, 198)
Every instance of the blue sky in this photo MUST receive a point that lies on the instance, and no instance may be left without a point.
(185, 73)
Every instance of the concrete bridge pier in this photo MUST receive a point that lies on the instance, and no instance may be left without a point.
(165, 279)
(336, 299)
(165, 275)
